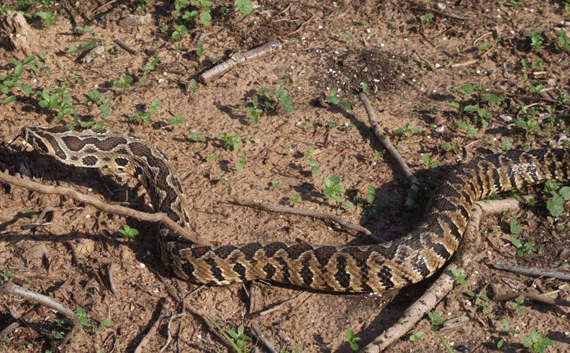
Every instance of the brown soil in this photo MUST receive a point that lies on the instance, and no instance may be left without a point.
(326, 46)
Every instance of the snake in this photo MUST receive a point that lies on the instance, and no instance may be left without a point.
(367, 268)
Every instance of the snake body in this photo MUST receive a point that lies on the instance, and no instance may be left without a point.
(370, 268)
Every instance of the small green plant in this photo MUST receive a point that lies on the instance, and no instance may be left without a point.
(58, 101)
(536, 39)
(274, 185)
(124, 82)
(481, 112)
(237, 339)
(240, 163)
(426, 17)
(406, 130)
(436, 320)
(468, 128)
(179, 31)
(193, 86)
(485, 46)
(152, 65)
(480, 300)
(515, 227)
(450, 147)
(416, 336)
(176, 120)
(284, 99)
(459, 277)
(506, 145)
(351, 338)
(536, 89)
(347, 36)
(371, 194)
(253, 107)
(562, 39)
(559, 196)
(432, 163)
(295, 198)
(525, 248)
(85, 320)
(535, 343)
(48, 17)
(128, 232)
(233, 142)
(528, 126)
(95, 97)
(6, 274)
(141, 117)
(334, 190)
(517, 305)
(244, 6)
(196, 137)
(334, 100)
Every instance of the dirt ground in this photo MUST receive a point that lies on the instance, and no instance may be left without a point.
(414, 65)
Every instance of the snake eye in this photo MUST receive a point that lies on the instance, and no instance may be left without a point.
(38, 143)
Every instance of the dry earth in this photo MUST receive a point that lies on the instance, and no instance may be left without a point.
(411, 66)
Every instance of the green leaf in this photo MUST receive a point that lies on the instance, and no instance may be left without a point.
(105, 322)
(515, 242)
(19, 70)
(565, 193)
(335, 180)
(491, 98)
(244, 6)
(205, 17)
(515, 228)
(333, 98)
(470, 108)
(556, 205)
(295, 198)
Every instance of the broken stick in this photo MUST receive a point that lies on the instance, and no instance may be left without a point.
(239, 58)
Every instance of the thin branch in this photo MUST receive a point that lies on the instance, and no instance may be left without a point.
(534, 296)
(239, 58)
(415, 184)
(124, 46)
(154, 327)
(262, 338)
(309, 213)
(211, 327)
(533, 271)
(11, 288)
(102, 205)
(436, 292)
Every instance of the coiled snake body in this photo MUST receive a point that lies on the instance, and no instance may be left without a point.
(369, 268)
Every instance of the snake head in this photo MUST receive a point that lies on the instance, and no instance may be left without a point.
(41, 138)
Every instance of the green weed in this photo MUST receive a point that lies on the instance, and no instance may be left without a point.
(142, 117)
(351, 338)
(535, 343)
(436, 320)
(128, 232)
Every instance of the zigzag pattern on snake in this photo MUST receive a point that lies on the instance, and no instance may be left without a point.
(370, 268)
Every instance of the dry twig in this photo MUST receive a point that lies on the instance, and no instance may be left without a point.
(11, 288)
(239, 58)
(154, 327)
(262, 338)
(310, 213)
(415, 184)
(533, 271)
(103, 206)
(534, 296)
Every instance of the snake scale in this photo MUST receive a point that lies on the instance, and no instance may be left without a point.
(369, 268)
